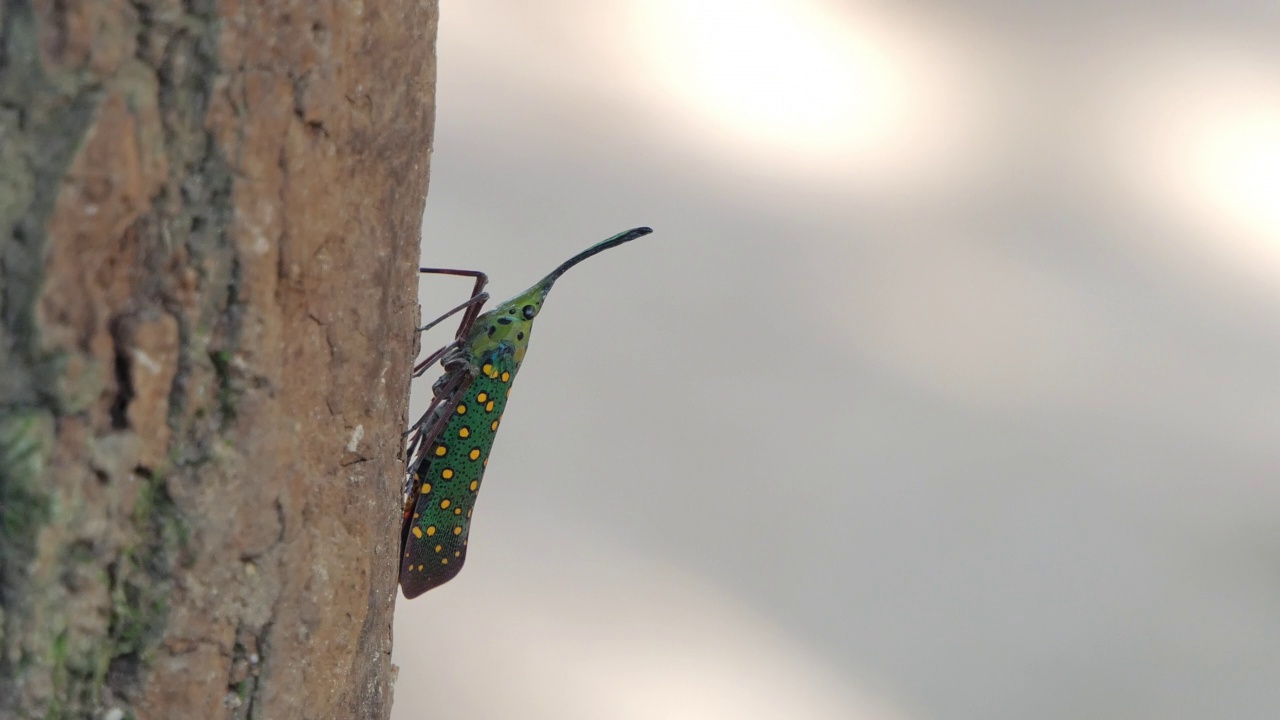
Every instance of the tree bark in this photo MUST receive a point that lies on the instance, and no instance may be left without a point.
(209, 218)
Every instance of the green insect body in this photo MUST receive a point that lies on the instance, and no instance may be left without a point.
(448, 477)
(449, 456)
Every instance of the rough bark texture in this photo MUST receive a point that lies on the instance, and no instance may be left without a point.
(209, 219)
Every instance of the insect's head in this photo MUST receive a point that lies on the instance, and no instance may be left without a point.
(509, 323)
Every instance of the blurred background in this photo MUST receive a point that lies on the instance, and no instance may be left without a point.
(947, 386)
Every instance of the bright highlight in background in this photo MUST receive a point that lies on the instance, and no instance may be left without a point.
(1237, 163)
(1206, 129)
(788, 74)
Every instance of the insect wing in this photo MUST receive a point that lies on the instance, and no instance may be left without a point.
(447, 479)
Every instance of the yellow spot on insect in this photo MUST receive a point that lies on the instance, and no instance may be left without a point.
(457, 530)
(444, 504)
(464, 432)
(469, 512)
(457, 553)
(486, 462)
(431, 530)
(482, 397)
(441, 451)
(415, 516)
(475, 454)
(488, 407)
(420, 567)
(426, 488)
(457, 511)
(475, 485)
(446, 473)
(486, 369)
(493, 425)
(508, 392)
(462, 409)
(444, 561)
(506, 377)
(439, 548)
(417, 532)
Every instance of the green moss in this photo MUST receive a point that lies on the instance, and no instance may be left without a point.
(226, 390)
(70, 382)
(221, 361)
(59, 653)
(139, 577)
(26, 444)
(139, 585)
(60, 676)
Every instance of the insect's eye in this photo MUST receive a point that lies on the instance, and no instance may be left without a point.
(529, 311)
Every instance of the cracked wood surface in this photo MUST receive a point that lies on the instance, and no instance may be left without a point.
(209, 220)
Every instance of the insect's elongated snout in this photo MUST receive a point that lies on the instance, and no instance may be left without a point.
(509, 324)
(615, 241)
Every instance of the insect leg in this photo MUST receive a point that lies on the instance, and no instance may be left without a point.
(422, 366)
(473, 302)
(472, 306)
(481, 280)
(448, 394)
(479, 299)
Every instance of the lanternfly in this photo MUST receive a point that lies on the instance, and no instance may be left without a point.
(450, 447)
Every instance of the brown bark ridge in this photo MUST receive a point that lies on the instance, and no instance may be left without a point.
(209, 216)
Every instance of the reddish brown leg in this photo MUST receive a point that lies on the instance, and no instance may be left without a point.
(472, 307)
(472, 311)
(470, 317)
(450, 395)
(431, 359)
(416, 428)
(475, 300)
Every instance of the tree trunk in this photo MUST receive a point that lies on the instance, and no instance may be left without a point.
(209, 220)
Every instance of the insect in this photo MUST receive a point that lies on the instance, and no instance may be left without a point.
(449, 450)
